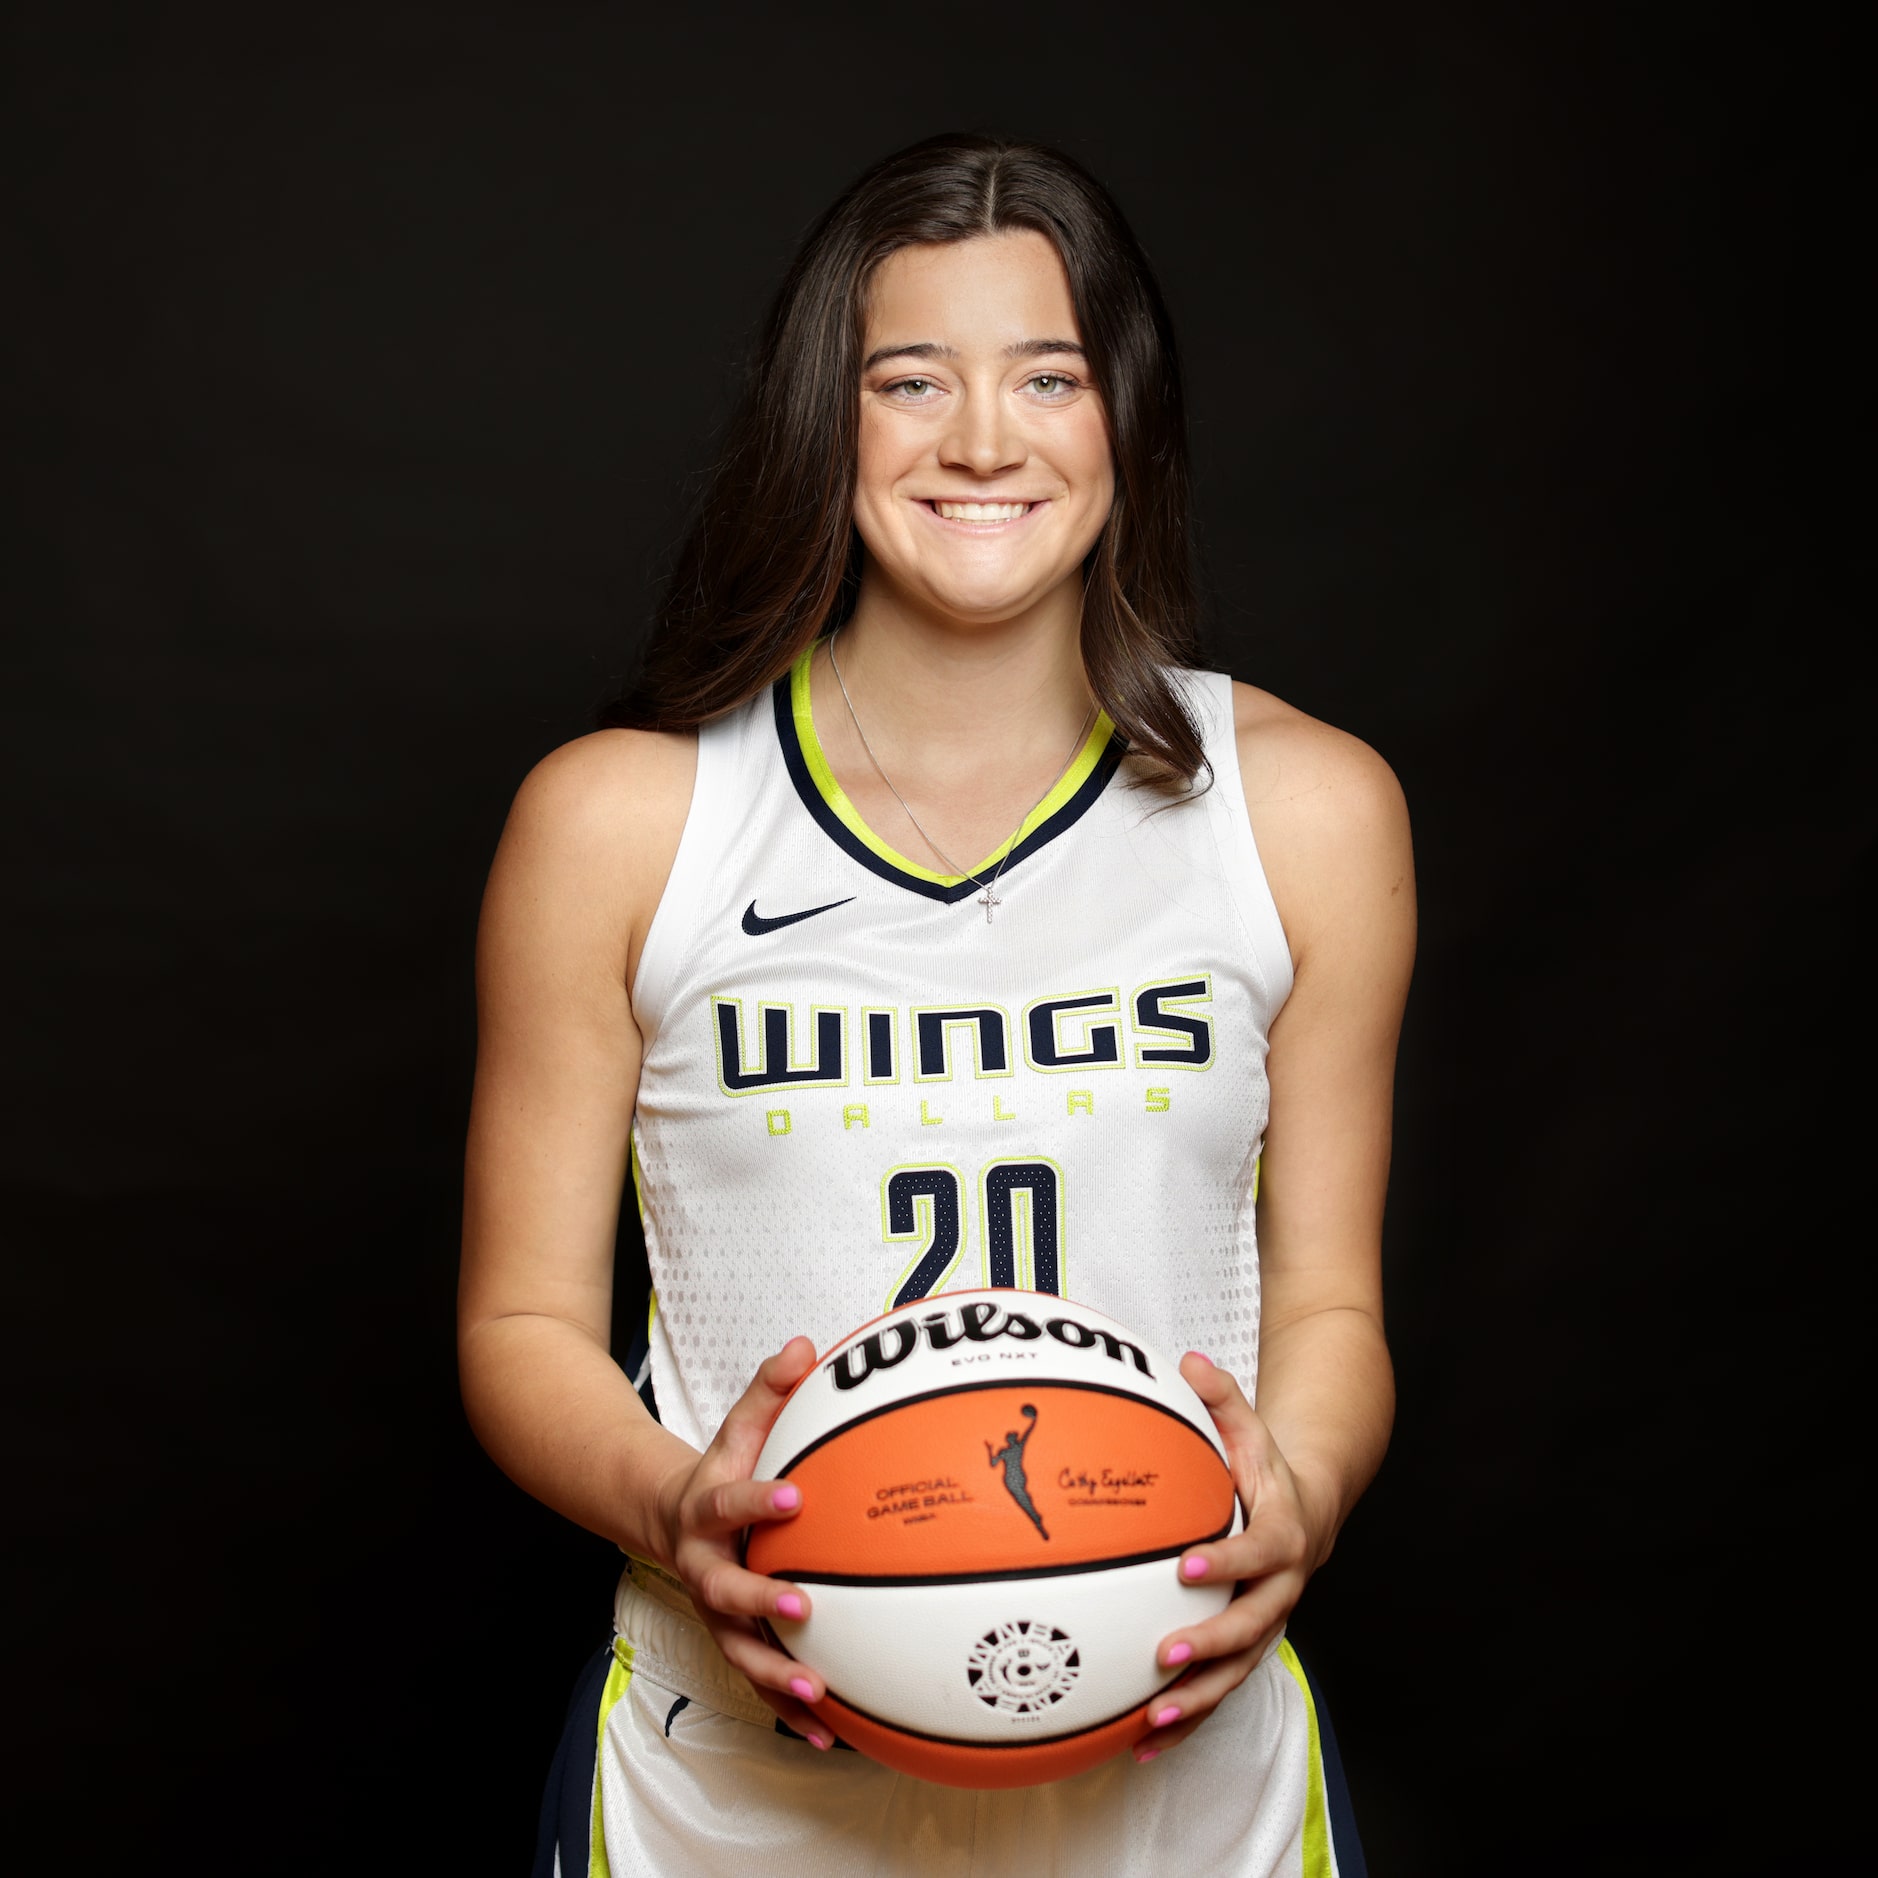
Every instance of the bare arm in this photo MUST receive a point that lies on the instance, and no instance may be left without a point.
(1334, 831)
(576, 880)
(1333, 835)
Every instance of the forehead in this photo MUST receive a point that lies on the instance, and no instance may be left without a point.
(971, 295)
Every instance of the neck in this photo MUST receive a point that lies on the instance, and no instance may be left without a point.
(972, 720)
(942, 692)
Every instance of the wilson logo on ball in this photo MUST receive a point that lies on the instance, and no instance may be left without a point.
(997, 1488)
(978, 1322)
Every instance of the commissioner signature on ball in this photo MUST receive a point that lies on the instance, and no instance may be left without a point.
(1105, 1479)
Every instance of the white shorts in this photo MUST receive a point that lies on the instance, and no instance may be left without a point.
(673, 1765)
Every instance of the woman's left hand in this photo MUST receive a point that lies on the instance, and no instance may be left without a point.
(1269, 1561)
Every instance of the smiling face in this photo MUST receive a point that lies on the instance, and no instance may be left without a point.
(984, 472)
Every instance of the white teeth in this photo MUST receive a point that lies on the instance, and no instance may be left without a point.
(982, 511)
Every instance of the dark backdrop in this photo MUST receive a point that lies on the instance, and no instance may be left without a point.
(363, 359)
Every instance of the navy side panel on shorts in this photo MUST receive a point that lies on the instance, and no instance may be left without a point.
(1350, 1860)
(567, 1800)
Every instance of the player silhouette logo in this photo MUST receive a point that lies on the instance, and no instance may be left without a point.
(1011, 1458)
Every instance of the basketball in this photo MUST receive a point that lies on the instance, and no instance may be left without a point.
(995, 1487)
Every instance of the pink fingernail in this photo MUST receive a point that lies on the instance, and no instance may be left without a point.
(786, 1499)
(1165, 1716)
(789, 1605)
(801, 1686)
(1204, 1358)
(1145, 1755)
(1193, 1568)
(1179, 1654)
(816, 1741)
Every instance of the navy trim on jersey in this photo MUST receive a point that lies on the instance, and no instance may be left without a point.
(567, 1798)
(1343, 1834)
(833, 827)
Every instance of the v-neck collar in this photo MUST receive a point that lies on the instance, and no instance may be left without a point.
(825, 799)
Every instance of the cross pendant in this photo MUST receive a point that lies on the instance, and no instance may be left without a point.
(988, 900)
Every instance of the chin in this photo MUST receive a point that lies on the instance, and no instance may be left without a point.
(985, 595)
(982, 606)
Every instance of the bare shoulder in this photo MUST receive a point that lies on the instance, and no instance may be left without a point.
(1328, 814)
(592, 835)
(608, 784)
(1298, 766)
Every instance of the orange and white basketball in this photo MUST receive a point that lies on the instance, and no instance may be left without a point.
(995, 1488)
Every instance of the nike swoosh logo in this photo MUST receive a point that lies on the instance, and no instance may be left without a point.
(755, 924)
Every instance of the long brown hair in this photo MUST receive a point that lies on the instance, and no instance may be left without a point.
(773, 557)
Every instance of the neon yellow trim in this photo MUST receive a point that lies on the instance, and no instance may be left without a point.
(836, 797)
(1316, 1816)
(619, 1673)
(639, 1193)
(639, 1182)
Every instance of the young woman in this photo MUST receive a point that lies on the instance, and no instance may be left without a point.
(925, 920)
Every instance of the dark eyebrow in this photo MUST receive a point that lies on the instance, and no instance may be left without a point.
(1035, 348)
(924, 349)
(930, 349)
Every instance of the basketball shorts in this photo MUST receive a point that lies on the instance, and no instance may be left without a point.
(672, 1764)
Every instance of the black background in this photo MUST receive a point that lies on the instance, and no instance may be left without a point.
(362, 362)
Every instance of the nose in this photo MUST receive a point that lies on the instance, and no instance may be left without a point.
(983, 436)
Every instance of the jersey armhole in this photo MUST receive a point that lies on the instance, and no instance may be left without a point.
(1239, 849)
(676, 915)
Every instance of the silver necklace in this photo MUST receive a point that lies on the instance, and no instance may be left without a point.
(989, 898)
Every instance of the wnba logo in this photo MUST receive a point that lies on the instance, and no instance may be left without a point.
(980, 1635)
(1011, 1458)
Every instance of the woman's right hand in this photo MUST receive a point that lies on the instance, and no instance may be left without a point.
(705, 1506)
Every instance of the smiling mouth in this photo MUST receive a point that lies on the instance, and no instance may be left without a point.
(980, 514)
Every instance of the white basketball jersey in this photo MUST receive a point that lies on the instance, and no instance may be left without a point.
(862, 1086)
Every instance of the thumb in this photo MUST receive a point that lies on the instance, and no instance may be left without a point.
(740, 1439)
(1225, 1400)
